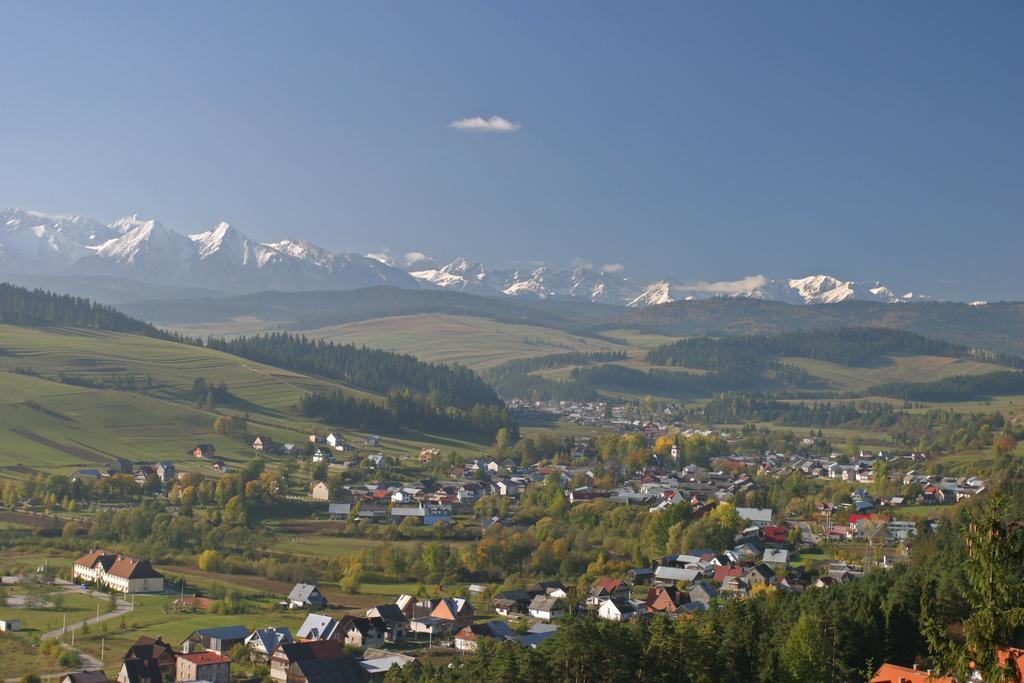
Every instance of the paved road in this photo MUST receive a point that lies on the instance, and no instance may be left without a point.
(123, 607)
(89, 662)
(806, 535)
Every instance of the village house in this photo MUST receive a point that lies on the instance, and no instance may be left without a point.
(618, 609)
(140, 671)
(670, 576)
(665, 600)
(702, 592)
(320, 491)
(395, 621)
(457, 611)
(507, 603)
(203, 666)
(165, 470)
(339, 510)
(85, 677)
(363, 631)
(146, 648)
(219, 639)
(759, 516)
(377, 663)
(606, 589)
(262, 642)
(306, 595)
(286, 660)
(263, 444)
(117, 572)
(552, 588)
(891, 673)
(204, 450)
(466, 639)
(319, 627)
(322, 455)
(546, 607)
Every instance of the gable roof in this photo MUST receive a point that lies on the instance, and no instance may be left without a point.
(86, 677)
(343, 669)
(491, 629)
(269, 638)
(452, 607)
(363, 624)
(675, 574)
(129, 568)
(606, 585)
(302, 592)
(140, 671)
(149, 648)
(205, 658)
(89, 560)
(314, 649)
(544, 603)
(724, 572)
(891, 673)
(390, 613)
(317, 627)
(223, 632)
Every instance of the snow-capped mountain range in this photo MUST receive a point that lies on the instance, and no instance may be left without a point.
(224, 259)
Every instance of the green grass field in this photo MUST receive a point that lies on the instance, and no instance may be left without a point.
(475, 342)
(52, 426)
(894, 369)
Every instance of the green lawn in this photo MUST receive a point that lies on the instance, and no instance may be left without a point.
(475, 342)
(40, 620)
(56, 427)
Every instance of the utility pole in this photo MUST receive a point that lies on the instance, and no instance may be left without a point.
(103, 649)
(64, 624)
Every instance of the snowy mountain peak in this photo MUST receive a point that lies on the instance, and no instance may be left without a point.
(221, 238)
(222, 257)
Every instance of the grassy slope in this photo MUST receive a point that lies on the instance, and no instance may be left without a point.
(475, 342)
(46, 424)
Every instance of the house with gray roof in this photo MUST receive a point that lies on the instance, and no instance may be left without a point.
(319, 627)
(306, 595)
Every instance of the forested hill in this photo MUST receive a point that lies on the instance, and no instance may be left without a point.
(372, 369)
(22, 306)
(997, 326)
(856, 346)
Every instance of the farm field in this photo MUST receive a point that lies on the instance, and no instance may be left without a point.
(475, 342)
(894, 369)
(311, 544)
(63, 427)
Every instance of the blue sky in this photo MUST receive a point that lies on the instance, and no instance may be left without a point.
(705, 141)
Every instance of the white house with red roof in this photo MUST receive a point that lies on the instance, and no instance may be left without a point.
(118, 572)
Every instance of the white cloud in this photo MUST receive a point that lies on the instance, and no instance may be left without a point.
(412, 256)
(495, 124)
(612, 268)
(726, 286)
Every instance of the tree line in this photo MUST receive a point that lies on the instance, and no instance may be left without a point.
(22, 306)
(955, 388)
(403, 408)
(372, 369)
(515, 378)
(850, 346)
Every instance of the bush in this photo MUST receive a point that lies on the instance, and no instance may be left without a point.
(69, 659)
